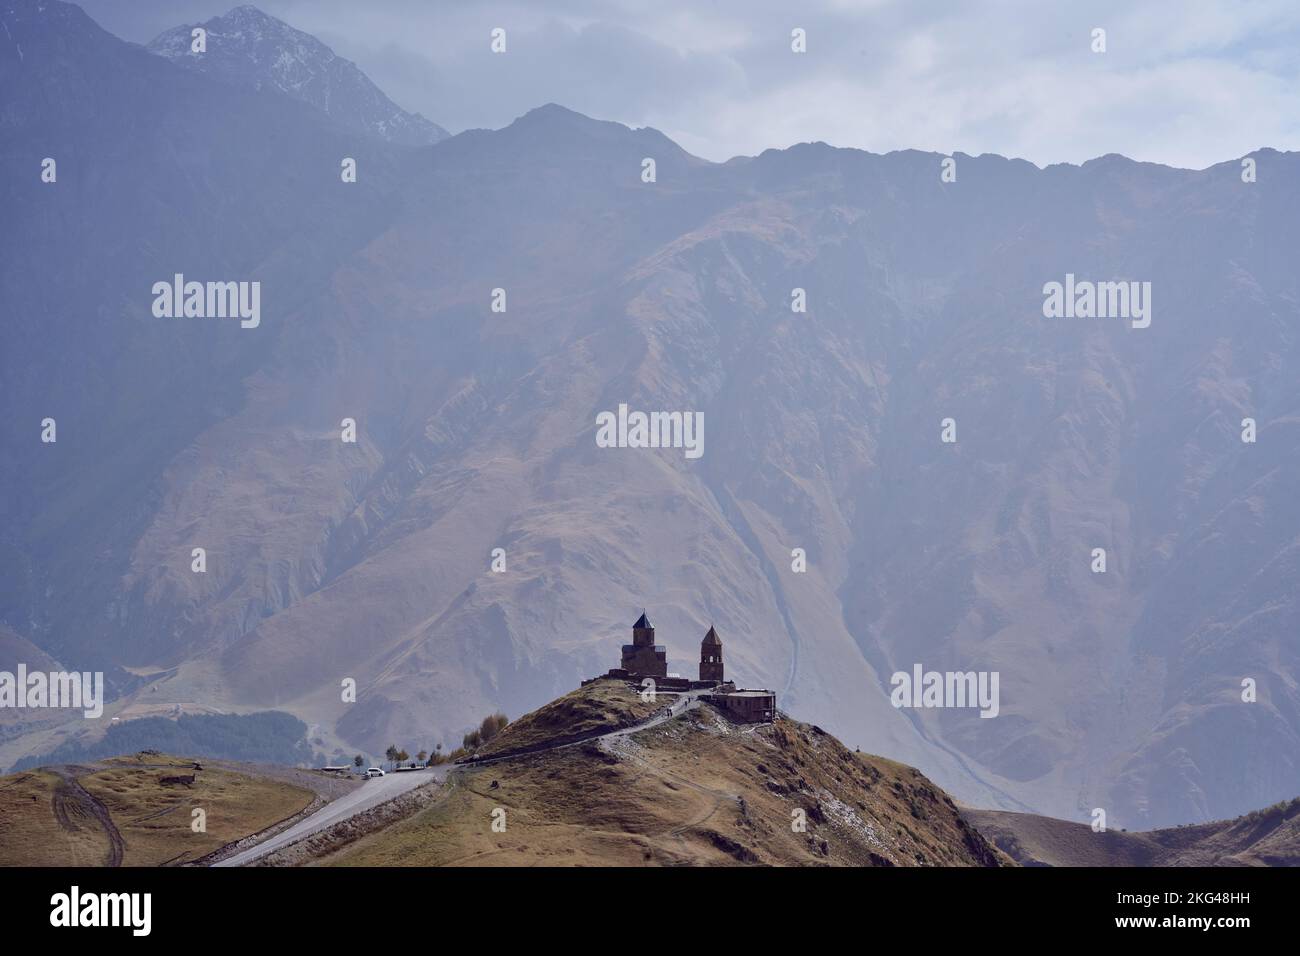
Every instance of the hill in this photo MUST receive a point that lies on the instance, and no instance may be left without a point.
(1269, 837)
(587, 712)
(119, 812)
(695, 790)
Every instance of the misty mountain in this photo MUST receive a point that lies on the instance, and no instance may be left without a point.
(476, 430)
(169, 181)
(249, 47)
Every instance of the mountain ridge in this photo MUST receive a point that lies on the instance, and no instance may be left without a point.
(1266, 837)
(476, 430)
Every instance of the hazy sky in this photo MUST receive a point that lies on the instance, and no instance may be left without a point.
(1182, 82)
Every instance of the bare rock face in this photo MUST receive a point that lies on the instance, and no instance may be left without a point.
(251, 48)
(477, 431)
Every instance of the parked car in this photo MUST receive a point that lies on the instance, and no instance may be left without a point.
(374, 772)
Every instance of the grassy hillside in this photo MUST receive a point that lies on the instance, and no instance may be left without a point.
(39, 827)
(599, 707)
(118, 813)
(696, 790)
(1269, 837)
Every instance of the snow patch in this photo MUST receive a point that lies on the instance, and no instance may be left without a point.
(846, 816)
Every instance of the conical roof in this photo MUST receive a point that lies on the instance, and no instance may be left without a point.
(712, 637)
(643, 622)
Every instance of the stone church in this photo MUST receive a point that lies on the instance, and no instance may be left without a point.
(644, 659)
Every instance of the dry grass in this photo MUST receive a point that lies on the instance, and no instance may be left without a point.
(695, 791)
(1043, 841)
(30, 833)
(73, 816)
(156, 820)
(1269, 837)
(602, 706)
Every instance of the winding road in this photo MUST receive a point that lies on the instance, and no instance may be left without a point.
(365, 797)
(380, 790)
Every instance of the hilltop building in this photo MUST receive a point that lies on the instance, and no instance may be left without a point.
(711, 656)
(643, 659)
(643, 656)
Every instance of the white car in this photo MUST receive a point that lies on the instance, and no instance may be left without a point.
(374, 772)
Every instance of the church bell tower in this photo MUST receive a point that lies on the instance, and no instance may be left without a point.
(711, 657)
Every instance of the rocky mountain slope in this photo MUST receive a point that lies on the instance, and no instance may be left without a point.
(476, 430)
(1269, 837)
(249, 47)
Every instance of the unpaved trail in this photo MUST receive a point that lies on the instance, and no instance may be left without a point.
(73, 805)
(718, 797)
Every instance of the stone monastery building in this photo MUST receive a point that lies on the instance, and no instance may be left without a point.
(643, 658)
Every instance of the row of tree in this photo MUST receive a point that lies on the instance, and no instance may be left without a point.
(492, 725)
(264, 737)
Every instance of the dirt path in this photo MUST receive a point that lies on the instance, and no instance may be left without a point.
(718, 797)
(74, 805)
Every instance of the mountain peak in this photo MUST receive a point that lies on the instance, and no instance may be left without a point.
(250, 16)
(248, 47)
(553, 115)
(245, 23)
(555, 127)
(554, 110)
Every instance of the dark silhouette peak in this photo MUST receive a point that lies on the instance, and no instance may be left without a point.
(643, 622)
(553, 116)
(548, 110)
(712, 637)
(554, 125)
